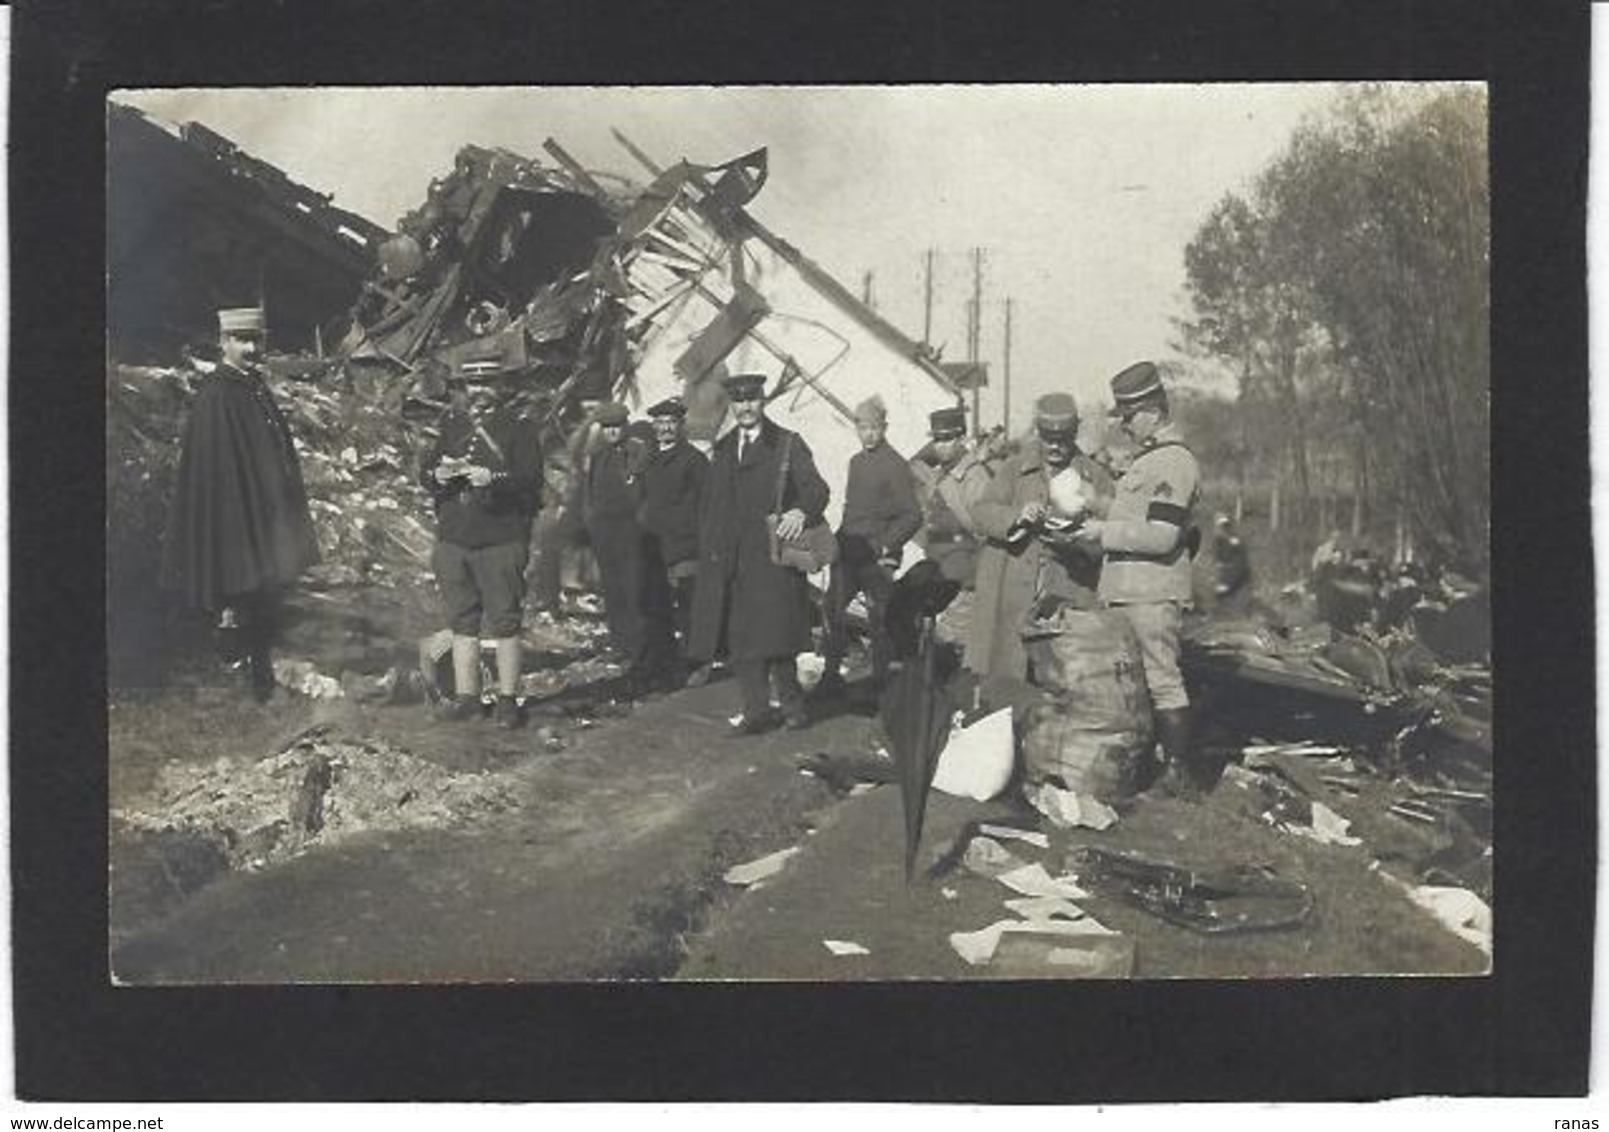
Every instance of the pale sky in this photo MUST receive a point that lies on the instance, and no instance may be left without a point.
(1083, 195)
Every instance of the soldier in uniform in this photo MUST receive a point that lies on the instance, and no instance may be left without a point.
(880, 515)
(1148, 540)
(756, 611)
(671, 485)
(484, 473)
(1025, 559)
(950, 481)
(239, 531)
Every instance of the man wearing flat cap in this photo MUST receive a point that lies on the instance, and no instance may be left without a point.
(1027, 557)
(1149, 539)
(484, 473)
(754, 610)
(609, 495)
(881, 513)
(950, 480)
(670, 487)
(239, 531)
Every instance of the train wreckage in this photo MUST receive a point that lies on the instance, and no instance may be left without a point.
(573, 287)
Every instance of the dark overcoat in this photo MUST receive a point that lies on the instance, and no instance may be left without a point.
(672, 483)
(757, 608)
(239, 523)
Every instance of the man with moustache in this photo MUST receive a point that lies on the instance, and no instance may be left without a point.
(1148, 540)
(754, 610)
(484, 473)
(670, 486)
(1024, 558)
(239, 531)
(609, 497)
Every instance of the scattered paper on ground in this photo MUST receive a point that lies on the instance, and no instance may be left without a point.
(752, 872)
(1031, 836)
(979, 947)
(1033, 880)
(987, 857)
(1045, 908)
(1069, 809)
(844, 947)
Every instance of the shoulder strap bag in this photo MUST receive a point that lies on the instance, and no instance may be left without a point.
(814, 548)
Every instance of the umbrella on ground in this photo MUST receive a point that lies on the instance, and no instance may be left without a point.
(916, 707)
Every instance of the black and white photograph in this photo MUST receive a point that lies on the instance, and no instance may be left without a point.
(1028, 531)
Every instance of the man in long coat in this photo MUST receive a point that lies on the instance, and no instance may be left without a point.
(239, 529)
(758, 611)
(1023, 559)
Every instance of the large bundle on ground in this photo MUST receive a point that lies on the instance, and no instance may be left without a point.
(1093, 734)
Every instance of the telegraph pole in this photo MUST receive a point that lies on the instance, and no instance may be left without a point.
(975, 336)
(1005, 376)
(866, 291)
(927, 304)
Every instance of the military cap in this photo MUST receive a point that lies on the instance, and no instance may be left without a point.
(1134, 387)
(947, 424)
(669, 407)
(744, 386)
(610, 413)
(242, 320)
(1056, 414)
(872, 410)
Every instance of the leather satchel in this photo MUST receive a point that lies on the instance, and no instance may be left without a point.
(814, 548)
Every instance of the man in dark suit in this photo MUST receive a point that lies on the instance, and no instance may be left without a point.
(755, 610)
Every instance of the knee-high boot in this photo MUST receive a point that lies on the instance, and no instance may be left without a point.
(1194, 773)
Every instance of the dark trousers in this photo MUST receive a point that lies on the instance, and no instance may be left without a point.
(757, 675)
(857, 571)
(681, 608)
(622, 571)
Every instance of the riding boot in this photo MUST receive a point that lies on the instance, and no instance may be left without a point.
(1193, 773)
(1173, 736)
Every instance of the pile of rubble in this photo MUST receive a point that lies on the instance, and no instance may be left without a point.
(318, 790)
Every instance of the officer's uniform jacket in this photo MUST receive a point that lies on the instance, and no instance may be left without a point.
(1149, 536)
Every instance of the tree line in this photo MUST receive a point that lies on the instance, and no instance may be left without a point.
(1347, 294)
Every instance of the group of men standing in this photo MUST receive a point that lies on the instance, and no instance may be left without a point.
(687, 545)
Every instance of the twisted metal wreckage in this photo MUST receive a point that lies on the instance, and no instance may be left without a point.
(571, 290)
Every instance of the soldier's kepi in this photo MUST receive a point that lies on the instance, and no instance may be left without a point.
(1148, 540)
